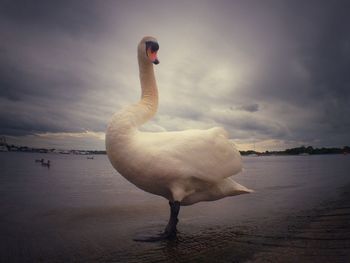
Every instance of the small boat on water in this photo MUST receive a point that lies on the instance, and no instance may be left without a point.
(47, 164)
(90, 157)
(3, 148)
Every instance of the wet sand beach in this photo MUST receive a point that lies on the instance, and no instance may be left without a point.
(80, 210)
(323, 235)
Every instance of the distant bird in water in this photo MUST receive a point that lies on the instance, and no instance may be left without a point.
(39, 160)
(184, 167)
(47, 164)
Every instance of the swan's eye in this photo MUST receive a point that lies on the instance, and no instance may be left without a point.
(152, 45)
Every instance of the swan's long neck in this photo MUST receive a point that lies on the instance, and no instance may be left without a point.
(130, 118)
(148, 104)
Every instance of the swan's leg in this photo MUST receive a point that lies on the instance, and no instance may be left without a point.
(170, 230)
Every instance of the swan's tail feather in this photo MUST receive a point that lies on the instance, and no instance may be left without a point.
(224, 188)
(237, 189)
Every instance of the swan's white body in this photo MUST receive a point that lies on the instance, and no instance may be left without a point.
(185, 166)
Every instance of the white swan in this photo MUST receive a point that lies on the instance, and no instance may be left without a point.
(185, 167)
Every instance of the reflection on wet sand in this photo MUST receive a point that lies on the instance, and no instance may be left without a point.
(321, 235)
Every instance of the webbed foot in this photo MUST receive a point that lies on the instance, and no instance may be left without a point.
(158, 238)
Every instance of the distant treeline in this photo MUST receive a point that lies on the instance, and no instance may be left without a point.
(16, 148)
(309, 150)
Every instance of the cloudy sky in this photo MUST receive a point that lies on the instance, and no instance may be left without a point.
(275, 74)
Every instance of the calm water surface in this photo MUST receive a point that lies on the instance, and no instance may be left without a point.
(81, 210)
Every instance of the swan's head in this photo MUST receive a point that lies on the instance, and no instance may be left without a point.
(147, 50)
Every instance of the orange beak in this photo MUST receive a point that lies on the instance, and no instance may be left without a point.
(152, 55)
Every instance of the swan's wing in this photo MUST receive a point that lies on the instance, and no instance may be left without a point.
(207, 155)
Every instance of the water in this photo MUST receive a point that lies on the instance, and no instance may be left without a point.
(81, 210)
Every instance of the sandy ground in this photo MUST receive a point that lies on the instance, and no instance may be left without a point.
(318, 235)
(324, 236)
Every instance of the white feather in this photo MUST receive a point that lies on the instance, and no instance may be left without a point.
(187, 166)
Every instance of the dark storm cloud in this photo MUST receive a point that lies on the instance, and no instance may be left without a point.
(29, 98)
(305, 64)
(271, 70)
(319, 42)
(248, 107)
(69, 17)
(18, 83)
(328, 60)
(42, 82)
